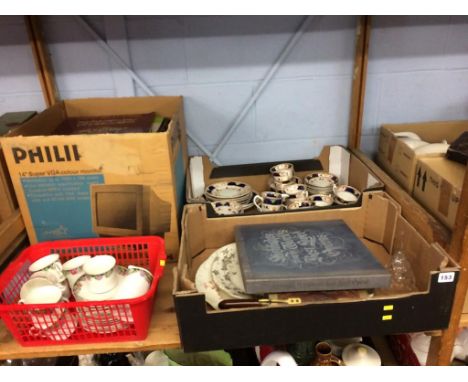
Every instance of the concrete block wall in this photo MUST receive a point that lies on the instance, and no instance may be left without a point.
(417, 71)
(19, 87)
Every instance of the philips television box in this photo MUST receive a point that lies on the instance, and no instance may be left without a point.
(139, 210)
(119, 174)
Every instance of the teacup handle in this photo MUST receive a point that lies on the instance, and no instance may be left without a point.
(256, 203)
(57, 270)
(337, 360)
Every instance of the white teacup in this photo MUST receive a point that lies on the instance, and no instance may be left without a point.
(60, 330)
(299, 204)
(282, 172)
(297, 191)
(136, 283)
(63, 329)
(271, 208)
(269, 201)
(50, 264)
(63, 285)
(229, 207)
(320, 200)
(102, 272)
(280, 186)
(42, 291)
(73, 269)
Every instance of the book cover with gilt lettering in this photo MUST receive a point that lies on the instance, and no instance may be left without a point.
(307, 256)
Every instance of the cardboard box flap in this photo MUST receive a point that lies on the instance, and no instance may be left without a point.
(432, 132)
(47, 120)
(335, 159)
(425, 258)
(50, 119)
(379, 205)
(91, 107)
(448, 264)
(361, 178)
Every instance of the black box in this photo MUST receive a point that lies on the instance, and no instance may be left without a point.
(377, 223)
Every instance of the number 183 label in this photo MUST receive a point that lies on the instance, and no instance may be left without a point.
(446, 277)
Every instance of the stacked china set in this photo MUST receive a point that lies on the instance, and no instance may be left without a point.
(83, 278)
(230, 198)
(287, 192)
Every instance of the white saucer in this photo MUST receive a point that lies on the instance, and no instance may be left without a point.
(82, 293)
(227, 190)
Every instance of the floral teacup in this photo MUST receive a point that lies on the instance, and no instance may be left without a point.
(282, 172)
(73, 269)
(49, 264)
(102, 273)
(229, 207)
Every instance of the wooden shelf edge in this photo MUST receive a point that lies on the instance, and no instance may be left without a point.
(163, 333)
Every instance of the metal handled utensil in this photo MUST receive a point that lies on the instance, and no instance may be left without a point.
(253, 302)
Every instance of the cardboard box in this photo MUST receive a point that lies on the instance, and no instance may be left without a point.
(8, 202)
(399, 160)
(334, 159)
(53, 174)
(437, 187)
(11, 224)
(377, 223)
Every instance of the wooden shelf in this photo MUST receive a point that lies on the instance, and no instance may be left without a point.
(163, 333)
(464, 320)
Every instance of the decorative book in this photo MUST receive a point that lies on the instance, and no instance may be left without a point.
(116, 124)
(307, 256)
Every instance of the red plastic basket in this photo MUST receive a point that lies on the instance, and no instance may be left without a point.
(83, 322)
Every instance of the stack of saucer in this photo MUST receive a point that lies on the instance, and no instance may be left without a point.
(320, 183)
(231, 191)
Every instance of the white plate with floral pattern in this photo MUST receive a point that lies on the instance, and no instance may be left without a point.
(227, 190)
(226, 272)
(205, 284)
